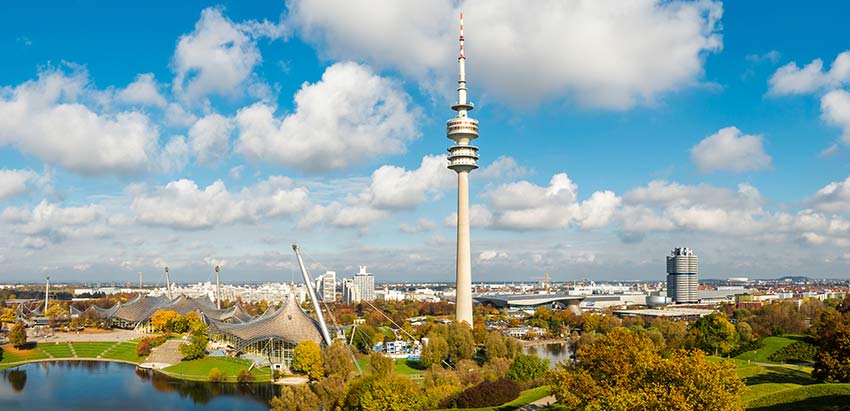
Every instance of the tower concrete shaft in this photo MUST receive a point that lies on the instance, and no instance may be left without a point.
(463, 158)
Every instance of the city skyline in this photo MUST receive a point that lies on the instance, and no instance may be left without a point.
(232, 130)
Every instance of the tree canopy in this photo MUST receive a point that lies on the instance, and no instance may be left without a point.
(307, 358)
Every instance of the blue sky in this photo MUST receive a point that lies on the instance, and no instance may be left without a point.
(194, 133)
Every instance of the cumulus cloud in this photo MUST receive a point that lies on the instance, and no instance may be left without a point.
(209, 138)
(526, 206)
(835, 110)
(348, 117)
(45, 118)
(142, 91)
(606, 53)
(479, 216)
(834, 197)
(791, 79)
(14, 182)
(175, 155)
(219, 56)
(731, 150)
(182, 204)
(52, 223)
(504, 167)
(423, 224)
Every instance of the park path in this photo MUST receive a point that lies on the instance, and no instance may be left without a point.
(165, 355)
(536, 405)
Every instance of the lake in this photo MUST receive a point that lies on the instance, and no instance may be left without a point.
(554, 352)
(92, 385)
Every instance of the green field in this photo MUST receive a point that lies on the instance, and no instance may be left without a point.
(125, 351)
(54, 350)
(785, 387)
(771, 345)
(10, 355)
(199, 370)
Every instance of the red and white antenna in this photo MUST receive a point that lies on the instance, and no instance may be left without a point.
(461, 36)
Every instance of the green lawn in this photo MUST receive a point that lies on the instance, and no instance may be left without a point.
(807, 397)
(11, 355)
(91, 349)
(771, 345)
(199, 370)
(125, 351)
(61, 350)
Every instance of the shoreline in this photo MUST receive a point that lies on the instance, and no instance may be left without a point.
(544, 342)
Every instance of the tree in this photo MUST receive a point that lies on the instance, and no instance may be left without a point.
(18, 335)
(244, 376)
(296, 398)
(330, 391)
(832, 361)
(528, 367)
(745, 332)
(55, 311)
(307, 359)
(623, 370)
(436, 351)
(379, 393)
(161, 320)
(675, 333)
(195, 323)
(495, 346)
(7, 316)
(216, 375)
(197, 348)
(338, 361)
(380, 364)
(460, 341)
(712, 334)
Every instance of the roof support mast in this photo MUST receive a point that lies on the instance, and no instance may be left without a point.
(309, 283)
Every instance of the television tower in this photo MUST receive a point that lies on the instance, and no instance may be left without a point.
(463, 159)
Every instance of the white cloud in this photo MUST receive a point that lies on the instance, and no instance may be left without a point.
(729, 149)
(142, 91)
(606, 53)
(176, 115)
(830, 151)
(396, 188)
(835, 109)
(182, 204)
(50, 222)
(423, 224)
(348, 117)
(209, 138)
(175, 155)
(526, 206)
(14, 182)
(487, 256)
(479, 216)
(219, 56)
(504, 167)
(45, 118)
(791, 79)
(834, 197)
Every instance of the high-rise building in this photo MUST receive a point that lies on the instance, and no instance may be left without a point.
(364, 283)
(326, 286)
(682, 279)
(463, 158)
(349, 291)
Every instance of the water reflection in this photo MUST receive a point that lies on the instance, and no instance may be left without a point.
(554, 352)
(76, 385)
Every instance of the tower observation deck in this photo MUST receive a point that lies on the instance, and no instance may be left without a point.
(463, 158)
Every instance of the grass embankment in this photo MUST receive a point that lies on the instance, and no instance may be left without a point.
(785, 387)
(199, 370)
(123, 351)
(771, 345)
(526, 397)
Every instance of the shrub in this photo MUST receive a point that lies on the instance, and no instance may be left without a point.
(216, 375)
(245, 376)
(488, 394)
(143, 348)
(799, 351)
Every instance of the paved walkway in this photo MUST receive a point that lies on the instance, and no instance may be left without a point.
(165, 355)
(536, 405)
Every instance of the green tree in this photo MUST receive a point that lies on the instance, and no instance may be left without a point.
(296, 398)
(460, 341)
(18, 335)
(495, 346)
(197, 348)
(832, 361)
(338, 361)
(436, 351)
(712, 334)
(330, 391)
(528, 367)
(623, 370)
(745, 332)
(307, 359)
(380, 364)
(379, 393)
